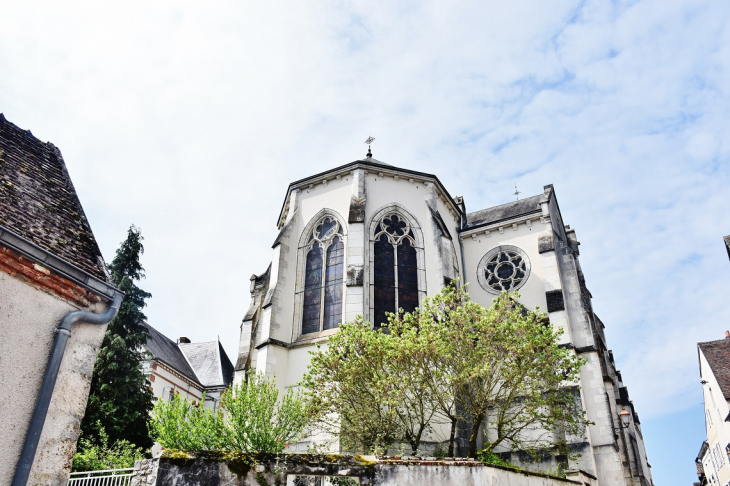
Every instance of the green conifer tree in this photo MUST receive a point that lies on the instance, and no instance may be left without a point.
(120, 399)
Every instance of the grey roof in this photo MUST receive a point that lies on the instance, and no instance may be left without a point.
(506, 211)
(38, 202)
(210, 362)
(727, 244)
(165, 349)
(717, 354)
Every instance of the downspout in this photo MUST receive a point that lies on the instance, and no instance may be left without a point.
(461, 246)
(27, 455)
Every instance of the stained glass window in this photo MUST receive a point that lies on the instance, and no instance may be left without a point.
(333, 284)
(505, 268)
(323, 273)
(312, 290)
(395, 272)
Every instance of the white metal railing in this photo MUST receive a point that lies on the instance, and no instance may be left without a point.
(107, 477)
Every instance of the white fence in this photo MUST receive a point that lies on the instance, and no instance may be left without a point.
(107, 477)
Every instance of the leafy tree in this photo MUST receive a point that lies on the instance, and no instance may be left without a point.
(451, 360)
(353, 391)
(120, 399)
(508, 370)
(100, 455)
(252, 419)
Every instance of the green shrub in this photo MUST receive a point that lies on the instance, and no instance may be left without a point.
(93, 456)
(251, 419)
(489, 457)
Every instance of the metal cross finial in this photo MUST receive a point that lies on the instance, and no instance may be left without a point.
(517, 193)
(369, 141)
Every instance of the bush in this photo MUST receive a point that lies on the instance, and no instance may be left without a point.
(251, 420)
(487, 456)
(99, 456)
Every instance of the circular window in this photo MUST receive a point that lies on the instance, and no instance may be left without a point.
(505, 268)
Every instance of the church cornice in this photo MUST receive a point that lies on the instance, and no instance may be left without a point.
(371, 166)
(505, 224)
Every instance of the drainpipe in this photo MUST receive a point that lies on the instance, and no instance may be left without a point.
(27, 455)
(461, 245)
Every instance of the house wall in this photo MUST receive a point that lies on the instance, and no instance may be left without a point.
(163, 380)
(715, 461)
(28, 318)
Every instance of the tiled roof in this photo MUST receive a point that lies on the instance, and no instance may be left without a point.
(165, 349)
(717, 354)
(38, 201)
(505, 211)
(210, 362)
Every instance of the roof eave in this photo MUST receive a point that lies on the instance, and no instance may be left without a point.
(57, 264)
(363, 163)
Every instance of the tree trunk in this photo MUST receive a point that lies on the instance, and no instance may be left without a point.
(452, 438)
(474, 433)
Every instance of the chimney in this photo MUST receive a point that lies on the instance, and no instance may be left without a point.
(727, 334)
(183, 340)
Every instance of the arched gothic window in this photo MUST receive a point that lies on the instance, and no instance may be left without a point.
(395, 272)
(324, 257)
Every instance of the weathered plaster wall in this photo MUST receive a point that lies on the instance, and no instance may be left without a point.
(28, 317)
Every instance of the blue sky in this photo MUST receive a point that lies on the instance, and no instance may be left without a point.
(190, 121)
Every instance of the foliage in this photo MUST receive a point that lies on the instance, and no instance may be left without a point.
(120, 399)
(352, 388)
(257, 421)
(178, 424)
(251, 419)
(487, 456)
(450, 361)
(96, 456)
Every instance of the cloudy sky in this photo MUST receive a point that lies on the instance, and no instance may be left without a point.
(190, 119)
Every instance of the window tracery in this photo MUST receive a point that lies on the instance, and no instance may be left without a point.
(505, 268)
(395, 267)
(323, 273)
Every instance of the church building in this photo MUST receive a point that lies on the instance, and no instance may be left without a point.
(367, 238)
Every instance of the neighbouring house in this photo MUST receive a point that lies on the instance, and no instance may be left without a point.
(186, 369)
(713, 464)
(55, 301)
(367, 238)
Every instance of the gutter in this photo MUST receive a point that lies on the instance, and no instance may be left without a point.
(38, 419)
(461, 246)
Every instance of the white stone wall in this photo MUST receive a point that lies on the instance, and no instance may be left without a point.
(28, 318)
(718, 431)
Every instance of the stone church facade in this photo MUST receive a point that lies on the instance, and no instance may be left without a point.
(366, 238)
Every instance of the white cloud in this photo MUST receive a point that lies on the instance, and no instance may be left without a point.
(190, 120)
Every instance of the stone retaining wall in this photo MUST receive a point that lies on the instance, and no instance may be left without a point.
(217, 469)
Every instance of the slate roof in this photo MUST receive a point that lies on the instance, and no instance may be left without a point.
(39, 203)
(166, 350)
(506, 211)
(210, 362)
(727, 244)
(717, 354)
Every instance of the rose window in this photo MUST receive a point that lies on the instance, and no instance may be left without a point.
(505, 268)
